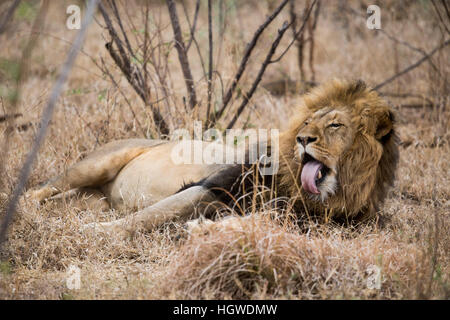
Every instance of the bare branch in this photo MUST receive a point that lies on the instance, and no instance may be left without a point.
(266, 62)
(108, 73)
(408, 45)
(119, 21)
(132, 72)
(194, 24)
(439, 16)
(46, 117)
(182, 55)
(447, 10)
(311, 28)
(413, 66)
(210, 69)
(406, 95)
(192, 31)
(391, 37)
(248, 51)
(298, 33)
(8, 15)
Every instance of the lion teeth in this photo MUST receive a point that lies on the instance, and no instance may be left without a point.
(319, 175)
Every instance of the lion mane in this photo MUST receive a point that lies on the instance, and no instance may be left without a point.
(365, 171)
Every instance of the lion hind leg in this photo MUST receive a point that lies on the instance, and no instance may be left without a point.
(179, 205)
(83, 199)
(96, 169)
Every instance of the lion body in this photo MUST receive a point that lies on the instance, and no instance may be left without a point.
(153, 176)
(353, 138)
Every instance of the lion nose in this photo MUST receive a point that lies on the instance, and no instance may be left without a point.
(305, 140)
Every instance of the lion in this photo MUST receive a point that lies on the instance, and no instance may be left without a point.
(337, 158)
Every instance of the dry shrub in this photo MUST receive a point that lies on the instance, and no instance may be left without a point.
(260, 259)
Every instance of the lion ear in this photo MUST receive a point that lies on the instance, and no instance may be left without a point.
(385, 125)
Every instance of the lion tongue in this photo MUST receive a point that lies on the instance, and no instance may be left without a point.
(309, 175)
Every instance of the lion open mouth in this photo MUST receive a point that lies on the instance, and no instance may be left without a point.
(313, 174)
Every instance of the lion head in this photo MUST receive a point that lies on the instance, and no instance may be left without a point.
(340, 153)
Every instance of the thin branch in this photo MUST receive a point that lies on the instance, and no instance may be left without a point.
(439, 16)
(413, 66)
(447, 10)
(46, 117)
(406, 44)
(266, 62)
(300, 38)
(108, 73)
(8, 15)
(132, 72)
(298, 33)
(406, 95)
(248, 51)
(119, 21)
(192, 31)
(312, 27)
(391, 37)
(182, 55)
(210, 69)
(194, 25)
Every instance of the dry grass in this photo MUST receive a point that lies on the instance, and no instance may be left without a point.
(265, 258)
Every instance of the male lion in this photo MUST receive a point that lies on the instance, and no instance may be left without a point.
(338, 158)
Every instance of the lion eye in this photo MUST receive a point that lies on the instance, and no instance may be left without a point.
(335, 125)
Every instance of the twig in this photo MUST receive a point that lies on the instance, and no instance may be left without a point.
(413, 66)
(248, 51)
(182, 56)
(119, 21)
(444, 3)
(192, 31)
(8, 15)
(132, 73)
(299, 38)
(298, 33)
(439, 15)
(210, 68)
(194, 24)
(406, 95)
(266, 62)
(311, 28)
(46, 117)
(108, 73)
(391, 37)
(408, 45)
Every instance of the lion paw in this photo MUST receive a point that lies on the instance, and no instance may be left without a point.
(112, 229)
(198, 226)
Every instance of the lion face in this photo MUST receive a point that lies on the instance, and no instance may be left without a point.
(341, 148)
(321, 140)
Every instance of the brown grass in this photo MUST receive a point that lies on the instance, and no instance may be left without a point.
(265, 258)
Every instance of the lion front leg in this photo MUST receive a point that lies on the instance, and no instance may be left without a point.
(181, 205)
